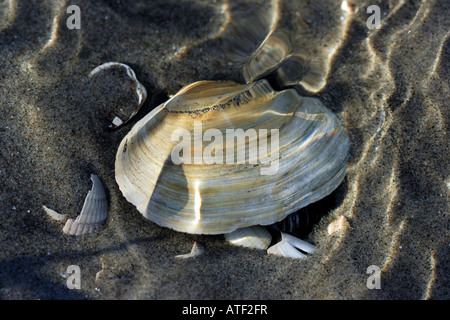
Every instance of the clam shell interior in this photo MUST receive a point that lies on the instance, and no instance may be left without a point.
(309, 159)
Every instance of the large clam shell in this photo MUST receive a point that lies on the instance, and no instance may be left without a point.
(307, 163)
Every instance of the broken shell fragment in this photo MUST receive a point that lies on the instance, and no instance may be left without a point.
(140, 89)
(55, 215)
(298, 243)
(288, 247)
(93, 213)
(117, 121)
(207, 194)
(285, 249)
(256, 237)
(197, 249)
(339, 225)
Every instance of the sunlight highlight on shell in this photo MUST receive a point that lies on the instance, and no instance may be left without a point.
(198, 203)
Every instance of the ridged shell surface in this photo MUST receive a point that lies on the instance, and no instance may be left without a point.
(215, 198)
(93, 213)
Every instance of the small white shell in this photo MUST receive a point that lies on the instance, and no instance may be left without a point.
(117, 121)
(197, 249)
(288, 245)
(298, 243)
(94, 212)
(284, 249)
(338, 226)
(256, 237)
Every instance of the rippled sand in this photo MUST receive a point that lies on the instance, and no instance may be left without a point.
(390, 87)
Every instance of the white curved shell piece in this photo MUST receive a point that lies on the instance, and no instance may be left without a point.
(285, 249)
(255, 237)
(93, 213)
(290, 247)
(305, 158)
(55, 215)
(197, 250)
(298, 243)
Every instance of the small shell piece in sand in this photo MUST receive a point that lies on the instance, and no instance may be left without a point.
(197, 249)
(256, 237)
(288, 246)
(55, 215)
(101, 272)
(339, 225)
(117, 121)
(140, 89)
(298, 243)
(94, 212)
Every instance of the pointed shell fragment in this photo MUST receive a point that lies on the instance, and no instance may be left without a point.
(298, 243)
(256, 237)
(284, 249)
(93, 213)
(306, 162)
(55, 215)
(288, 246)
(197, 249)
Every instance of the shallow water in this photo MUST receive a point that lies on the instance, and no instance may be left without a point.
(388, 86)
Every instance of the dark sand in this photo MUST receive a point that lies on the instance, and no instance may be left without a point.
(390, 87)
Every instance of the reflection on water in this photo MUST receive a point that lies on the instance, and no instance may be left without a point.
(279, 37)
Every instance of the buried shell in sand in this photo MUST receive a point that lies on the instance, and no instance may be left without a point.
(92, 215)
(208, 194)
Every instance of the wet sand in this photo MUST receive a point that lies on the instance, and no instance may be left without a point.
(389, 87)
